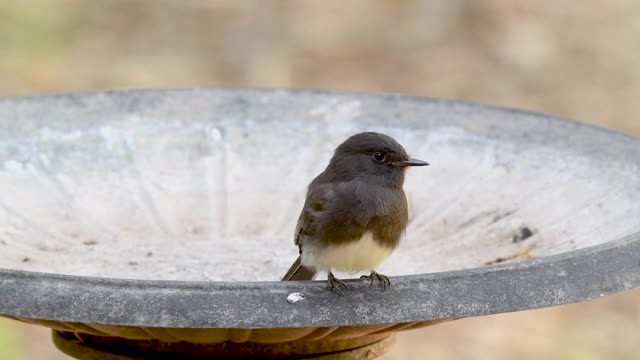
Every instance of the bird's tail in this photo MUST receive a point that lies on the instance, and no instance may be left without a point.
(297, 272)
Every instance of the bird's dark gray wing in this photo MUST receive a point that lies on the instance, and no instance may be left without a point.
(333, 213)
(317, 198)
(307, 227)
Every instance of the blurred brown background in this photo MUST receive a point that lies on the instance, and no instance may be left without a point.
(578, 59)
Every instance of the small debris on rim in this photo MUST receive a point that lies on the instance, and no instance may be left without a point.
(295, 297)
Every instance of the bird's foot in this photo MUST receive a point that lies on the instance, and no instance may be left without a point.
(335, 285)
(384, 280)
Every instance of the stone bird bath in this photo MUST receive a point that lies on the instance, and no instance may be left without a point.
(148, 224)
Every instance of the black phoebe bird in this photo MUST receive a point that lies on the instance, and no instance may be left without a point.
(355, 211)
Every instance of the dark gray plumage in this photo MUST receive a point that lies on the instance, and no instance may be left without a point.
(355, 211)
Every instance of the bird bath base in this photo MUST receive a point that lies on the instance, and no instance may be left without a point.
(85, 346)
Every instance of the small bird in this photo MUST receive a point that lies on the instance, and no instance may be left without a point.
(355, 211)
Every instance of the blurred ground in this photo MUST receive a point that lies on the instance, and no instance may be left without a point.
(575, 58)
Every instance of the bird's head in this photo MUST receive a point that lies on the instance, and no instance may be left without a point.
(372, 157)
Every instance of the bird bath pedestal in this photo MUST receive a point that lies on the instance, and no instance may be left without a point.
(155, 224)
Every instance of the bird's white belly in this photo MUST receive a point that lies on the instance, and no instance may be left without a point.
(364, 254)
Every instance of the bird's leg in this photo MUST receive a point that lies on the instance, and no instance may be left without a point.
(384, 280)
(335, 284)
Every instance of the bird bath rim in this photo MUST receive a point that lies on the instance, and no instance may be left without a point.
(567, 278)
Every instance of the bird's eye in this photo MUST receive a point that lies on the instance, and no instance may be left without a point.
(379, 157)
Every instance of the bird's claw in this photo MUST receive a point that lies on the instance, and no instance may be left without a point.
(335, 285)
(384, 280)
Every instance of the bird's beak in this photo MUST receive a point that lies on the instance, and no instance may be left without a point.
(411, 162)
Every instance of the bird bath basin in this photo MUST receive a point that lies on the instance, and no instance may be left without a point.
(157, 223)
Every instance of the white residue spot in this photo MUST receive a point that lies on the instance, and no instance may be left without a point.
(215, 134)
(295, 297)
(15, 167)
